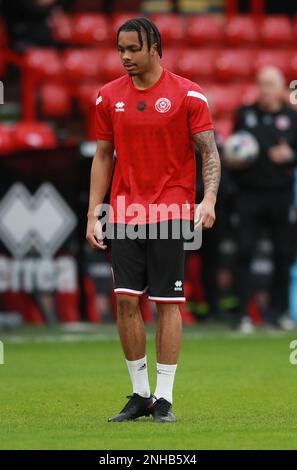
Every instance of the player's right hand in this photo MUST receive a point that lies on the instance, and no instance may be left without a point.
(94, 234)
(205, 214)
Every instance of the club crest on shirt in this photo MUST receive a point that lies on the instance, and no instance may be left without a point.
(163, 105)
(282, 122)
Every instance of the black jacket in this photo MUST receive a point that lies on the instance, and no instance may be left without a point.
(269, 129)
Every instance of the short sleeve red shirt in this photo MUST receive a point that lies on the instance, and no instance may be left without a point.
(154, 177)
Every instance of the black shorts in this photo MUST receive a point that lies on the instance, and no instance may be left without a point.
(152, 265)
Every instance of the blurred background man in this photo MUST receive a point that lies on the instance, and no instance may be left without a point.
(265, 191)
(28, 22)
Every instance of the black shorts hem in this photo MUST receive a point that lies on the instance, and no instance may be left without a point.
(127, 291)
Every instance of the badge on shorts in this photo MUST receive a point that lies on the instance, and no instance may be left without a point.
(163, 105)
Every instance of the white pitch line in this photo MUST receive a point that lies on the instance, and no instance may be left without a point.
(58, 339)
(103, 337)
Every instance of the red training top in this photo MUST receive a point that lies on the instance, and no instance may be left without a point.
(152, 132)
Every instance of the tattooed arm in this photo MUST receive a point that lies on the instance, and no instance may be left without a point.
(211, 173)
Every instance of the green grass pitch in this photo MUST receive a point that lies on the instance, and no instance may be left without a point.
(57, 390)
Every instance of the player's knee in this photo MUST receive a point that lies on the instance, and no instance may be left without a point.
(168, 308)
(127, 304)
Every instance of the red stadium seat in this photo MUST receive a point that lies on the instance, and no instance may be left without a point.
(249, 93)
(91, 29)
(280, 59)
(86, 95)
(169, 59)
(171, 27)
(295, 29)
(203, 30)
(224, 100)
(6, 141)
(62, 28)
(241, 30)
(223, 128)
(197, 64)
(33, 135)
(293, 73)
(112, 67)
(83, 64)
(3, 34)
(276, 31)
(2, 65)
(146, 310)
(24, 303)
(92, 308)
(234, 64)
(55, 100)
(45, 63)
(193, 268)
(68, 306)
(187, 317)
(118, 19)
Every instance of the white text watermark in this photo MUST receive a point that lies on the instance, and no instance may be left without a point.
(293, 355)
(1, 353)
(162, 221)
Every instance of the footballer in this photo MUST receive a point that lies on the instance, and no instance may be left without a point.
(152, 118)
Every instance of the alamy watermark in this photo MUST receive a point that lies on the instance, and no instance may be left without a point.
(293, 355)
(162, 221)
(1, 353)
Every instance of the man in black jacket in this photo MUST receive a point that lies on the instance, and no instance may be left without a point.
(28, 21)
(265, 189)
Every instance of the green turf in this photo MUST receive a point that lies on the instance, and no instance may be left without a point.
(231, 393)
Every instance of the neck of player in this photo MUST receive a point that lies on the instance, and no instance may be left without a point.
(149, 78)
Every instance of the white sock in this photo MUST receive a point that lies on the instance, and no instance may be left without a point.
(165, 379)
(139, 376)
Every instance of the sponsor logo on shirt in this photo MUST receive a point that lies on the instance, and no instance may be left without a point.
(120, 107)
(141, 105)
(163, 105)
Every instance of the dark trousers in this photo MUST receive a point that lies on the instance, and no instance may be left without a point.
(269, 210)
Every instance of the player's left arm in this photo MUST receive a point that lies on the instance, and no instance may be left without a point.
(211, 174)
